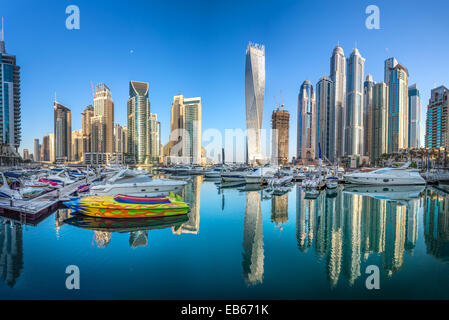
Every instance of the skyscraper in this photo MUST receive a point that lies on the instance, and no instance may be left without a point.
(26, 154)
(325, 127)
(155, 136)
(338, 77)
(86, 120)
(254, 98)
(62, 132)
(103, 120)
(354, 104)
(51, 139)
(306, 123)
(389, 64)
(414, 117)
(185, 137)
(280, 119)
(119, 138)
(77, 145)
(45, 148)
(10, 116)
(398, 109)
(379, 143)
(37, 150)
(138, 118)
(437, 117)
(367, 114)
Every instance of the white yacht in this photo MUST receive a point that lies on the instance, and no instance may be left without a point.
(60, 177)
(387, 176)
(260, 175)
(131, 183)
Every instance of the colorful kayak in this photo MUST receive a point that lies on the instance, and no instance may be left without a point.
(122, 206)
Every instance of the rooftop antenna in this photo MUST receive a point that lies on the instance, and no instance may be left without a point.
(388, 51)
(338, 42)
(93, 91)
(356, 44)
(3, 35)
(282, 100)
(55, 97)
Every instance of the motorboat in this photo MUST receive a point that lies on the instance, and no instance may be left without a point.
(280, 179)
(131, 183)
(6, 192)
(387, 176)
(60, 177)
(237, 175)
(259, 176)
(331, 182)
(124, 206)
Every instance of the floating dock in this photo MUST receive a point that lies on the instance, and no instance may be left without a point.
(34, 209)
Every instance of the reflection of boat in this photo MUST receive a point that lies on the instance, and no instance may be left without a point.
(393, 193)
(129, 207)
(331, 182)
(231, 184)
(311, 194)
(387, 176)
(125, 225)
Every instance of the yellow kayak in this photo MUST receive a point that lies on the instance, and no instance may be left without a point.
(122, 206)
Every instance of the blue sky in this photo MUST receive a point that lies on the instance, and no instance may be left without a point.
(197, 48)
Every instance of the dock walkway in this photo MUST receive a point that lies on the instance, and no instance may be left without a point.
(36, 207)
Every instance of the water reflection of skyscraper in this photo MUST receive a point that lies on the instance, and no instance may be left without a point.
(436, 224)
(253, 252)
(350, 225)
(279, 209)
(11, 251)
(191, 195)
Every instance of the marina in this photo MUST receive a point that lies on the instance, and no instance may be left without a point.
(293, 245)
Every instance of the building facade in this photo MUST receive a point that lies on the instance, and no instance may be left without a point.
(367, 114)
(379, 143)
(155, 137)
(325, 127)
(138, 120)
(37, 150)
(77, 146)
(10, 111)
(86, 121)
(62, 132)
(280, 123)
(338, 77)
(45, 148)
(254, 99)
(414, 117)
(103, 120)
(437, 119)
(306, 123)
(354, 127)
(398, 109)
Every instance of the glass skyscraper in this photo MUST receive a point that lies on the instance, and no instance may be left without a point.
(379, 117)
(354, 104)
(414, 117)
(367, 114)
(325, 119)
(62, 132)
(306, 123)
(10, 116)
(138, 118)
(437, 115)
(398, 109)
(254, 98)
(338, 77)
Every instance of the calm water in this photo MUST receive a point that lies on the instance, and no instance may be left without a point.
(242, 244)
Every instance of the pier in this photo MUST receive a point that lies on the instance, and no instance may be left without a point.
(32, 210)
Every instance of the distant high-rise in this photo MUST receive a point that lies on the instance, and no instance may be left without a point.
(86, 120)
(306, 122)
(77, 145)
(185, 129)
(26, 154)
(325, 127)
(45, 148)
(338, 77)
(51, 139)
(368, 113)
(62, 132)
(437, 117)
(354, 104)
(37, 150)
(103, 120)
(138, 118)
(389, 64)
(155, 136)
(397, 109)
(280, 120)
(254, 98)
(414, 117)
(10, 113)
(379, 143)
(119, 139)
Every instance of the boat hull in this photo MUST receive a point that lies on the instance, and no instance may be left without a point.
(107, 207)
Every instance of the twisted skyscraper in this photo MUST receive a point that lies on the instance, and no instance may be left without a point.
(254, 96)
